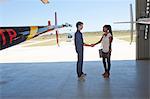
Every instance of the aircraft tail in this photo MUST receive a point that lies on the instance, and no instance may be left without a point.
(131, 23)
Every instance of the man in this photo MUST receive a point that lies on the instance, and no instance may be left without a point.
(79, 49)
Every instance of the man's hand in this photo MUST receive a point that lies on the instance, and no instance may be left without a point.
(90, 45)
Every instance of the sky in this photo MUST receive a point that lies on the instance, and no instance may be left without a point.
(93, 13)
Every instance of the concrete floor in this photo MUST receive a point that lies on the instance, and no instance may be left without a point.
(129, 80)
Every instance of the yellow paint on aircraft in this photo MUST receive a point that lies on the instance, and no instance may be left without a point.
(33, 32)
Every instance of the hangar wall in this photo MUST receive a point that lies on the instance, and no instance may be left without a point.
(143, 31)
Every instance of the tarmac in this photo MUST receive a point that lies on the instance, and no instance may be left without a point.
(121, 50)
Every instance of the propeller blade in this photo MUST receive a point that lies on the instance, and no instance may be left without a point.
(45, 1)
(132, 23)
(57, 36)
(55, 18)
(49, 23)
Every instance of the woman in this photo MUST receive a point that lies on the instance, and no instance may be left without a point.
(106, 41)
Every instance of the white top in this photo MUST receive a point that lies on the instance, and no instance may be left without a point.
(106, 42)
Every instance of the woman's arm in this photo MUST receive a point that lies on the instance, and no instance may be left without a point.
(110, 41)
(87, 44)
(98, 41)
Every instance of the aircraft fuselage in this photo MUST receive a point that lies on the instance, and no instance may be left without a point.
(10, 36)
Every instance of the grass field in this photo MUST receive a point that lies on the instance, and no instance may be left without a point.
(89, 38)
(92, 37)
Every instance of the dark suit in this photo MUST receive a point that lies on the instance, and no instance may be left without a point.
(79, 49)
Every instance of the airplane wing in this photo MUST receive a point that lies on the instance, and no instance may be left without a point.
(139, 21)
(10, 36)
(123, 22)
(143, 21)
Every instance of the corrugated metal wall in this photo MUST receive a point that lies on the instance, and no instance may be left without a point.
(142, 44)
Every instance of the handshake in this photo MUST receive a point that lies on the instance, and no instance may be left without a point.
(91, 45)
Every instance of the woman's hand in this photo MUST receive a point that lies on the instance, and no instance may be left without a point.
(110, 50)
(87, 44)
(92, 45)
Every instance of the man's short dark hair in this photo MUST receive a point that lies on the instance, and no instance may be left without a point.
(79, 23)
